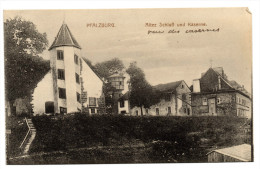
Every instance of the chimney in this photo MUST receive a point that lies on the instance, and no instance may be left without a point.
(196, 86)
(219, 83)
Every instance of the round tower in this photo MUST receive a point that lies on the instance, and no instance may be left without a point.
(65, 68)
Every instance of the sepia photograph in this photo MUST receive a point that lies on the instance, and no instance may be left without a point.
(128, 86)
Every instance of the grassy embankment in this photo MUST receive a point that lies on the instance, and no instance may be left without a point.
(108, 139)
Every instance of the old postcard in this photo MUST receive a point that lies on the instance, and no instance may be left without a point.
(112, 86)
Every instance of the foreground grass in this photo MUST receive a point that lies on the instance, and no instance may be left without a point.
(165, 139)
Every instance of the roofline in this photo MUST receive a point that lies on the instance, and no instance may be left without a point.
(55, 46)
(93, 70)
(186, 85)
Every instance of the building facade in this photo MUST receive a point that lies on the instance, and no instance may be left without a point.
(175, 101)
(70, 85)
(214, 95)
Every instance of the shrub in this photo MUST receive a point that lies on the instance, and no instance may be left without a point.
(82, 130)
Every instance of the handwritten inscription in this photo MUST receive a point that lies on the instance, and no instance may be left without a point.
(183, 27)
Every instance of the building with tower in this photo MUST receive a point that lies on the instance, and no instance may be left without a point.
(117, 81)
(70, 85)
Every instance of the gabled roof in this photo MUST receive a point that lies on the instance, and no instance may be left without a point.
(90, 66)
(232, 84)
(125, 96)
(168, 86)
(241, 152)
(64, 38)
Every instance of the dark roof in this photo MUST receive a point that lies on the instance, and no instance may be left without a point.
(168, 87)
(117, 75)
(233, 84)
(64, 38)
(125, 96)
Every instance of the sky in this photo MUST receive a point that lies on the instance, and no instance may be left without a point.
(164, 57)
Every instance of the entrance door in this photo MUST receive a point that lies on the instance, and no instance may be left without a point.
(212, 106)
(49, 107)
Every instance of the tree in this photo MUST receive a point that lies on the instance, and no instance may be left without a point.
(142, 94)
(107, 68)
(24, 68)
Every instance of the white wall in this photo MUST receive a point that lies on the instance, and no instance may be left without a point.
(125, 108)
(196, 85)
(42, 93)
(91, 82)
(70, 79)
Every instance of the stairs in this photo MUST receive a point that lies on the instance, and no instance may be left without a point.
(30, 137)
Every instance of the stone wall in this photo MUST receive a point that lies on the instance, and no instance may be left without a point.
(225, 104)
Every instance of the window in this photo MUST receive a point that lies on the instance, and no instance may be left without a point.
(136, 112)
(243, 102)
(169, 110)
(182, 86)
(62, 93)
(76, 59)
(157, 111)
(63, 110)
(122, 103)
(49, 107)
(147, 111)
(61, 74)
(92, 101)
(77, 78)
(60, 55)
(78, 97)
(92, 110)
(183, 97)
(218, 101)
(188, 111)
(204, 101)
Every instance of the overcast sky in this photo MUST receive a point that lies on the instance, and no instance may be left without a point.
(163, 57)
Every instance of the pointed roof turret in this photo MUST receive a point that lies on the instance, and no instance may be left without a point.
(64, 38)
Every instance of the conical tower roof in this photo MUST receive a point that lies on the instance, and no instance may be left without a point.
(64, 38)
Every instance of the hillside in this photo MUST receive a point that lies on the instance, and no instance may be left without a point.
(160, 139)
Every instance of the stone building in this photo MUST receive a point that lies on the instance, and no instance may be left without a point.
(175, 102)
(214, 95)
(70, 85)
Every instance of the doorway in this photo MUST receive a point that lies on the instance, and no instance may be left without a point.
(49, 107)
(212, 106)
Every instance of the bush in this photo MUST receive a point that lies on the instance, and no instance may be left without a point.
(81, 130)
